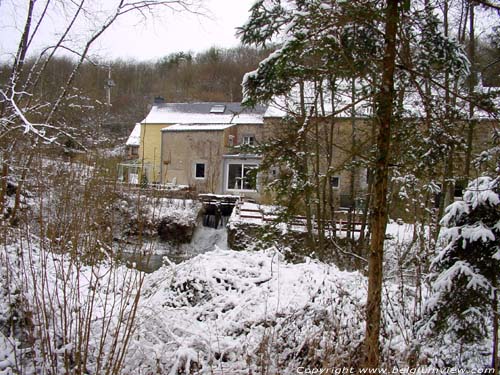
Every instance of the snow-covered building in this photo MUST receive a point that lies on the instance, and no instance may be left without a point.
(206, 146)
(133, 142)
(198, 144)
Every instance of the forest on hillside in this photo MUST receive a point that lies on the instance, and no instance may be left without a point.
(212, 75)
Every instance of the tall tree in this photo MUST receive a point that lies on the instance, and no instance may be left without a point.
(395, 46)
(31, 116)
(383, 121)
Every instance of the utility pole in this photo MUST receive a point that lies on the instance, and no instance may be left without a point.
(109, 84)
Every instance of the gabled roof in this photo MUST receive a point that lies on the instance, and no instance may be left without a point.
(204, 113)
(134, 138)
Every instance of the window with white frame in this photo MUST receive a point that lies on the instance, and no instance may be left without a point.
(230, 140)
(248, 140)
(199, 171)
(241, 176)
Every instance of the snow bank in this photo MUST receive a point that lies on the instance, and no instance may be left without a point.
(221, 311)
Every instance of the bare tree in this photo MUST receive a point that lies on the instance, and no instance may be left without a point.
(31, 117)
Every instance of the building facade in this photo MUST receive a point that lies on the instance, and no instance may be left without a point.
(208, 147)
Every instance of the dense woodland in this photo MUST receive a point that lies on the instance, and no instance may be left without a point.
(213, 75)
(431, 301)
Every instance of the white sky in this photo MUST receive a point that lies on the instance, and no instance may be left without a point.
(178, 31)
(132, 37)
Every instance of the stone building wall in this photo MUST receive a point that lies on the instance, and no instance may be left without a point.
(182, 150)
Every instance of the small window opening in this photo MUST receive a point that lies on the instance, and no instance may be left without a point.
(249, 140)
(335, 182)
(218, 108)
(199, 170)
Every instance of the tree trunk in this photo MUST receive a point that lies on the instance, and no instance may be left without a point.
(305, 170)
(494, 355)
(3, 185)
(20, 184)
(383, 122)
(471, 123)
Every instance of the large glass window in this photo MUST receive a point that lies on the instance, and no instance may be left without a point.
(241, 176)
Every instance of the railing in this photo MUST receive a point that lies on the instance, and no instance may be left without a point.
(256, 215)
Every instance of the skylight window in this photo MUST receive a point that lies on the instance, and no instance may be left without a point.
(218, 108)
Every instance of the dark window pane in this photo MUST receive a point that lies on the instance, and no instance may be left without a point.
(200, 170)
(335, 181)
(234, 176)
(249, 140)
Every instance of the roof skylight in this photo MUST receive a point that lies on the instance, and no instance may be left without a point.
(218, 108)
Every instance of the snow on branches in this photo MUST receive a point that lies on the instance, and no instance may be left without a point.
(465, 273)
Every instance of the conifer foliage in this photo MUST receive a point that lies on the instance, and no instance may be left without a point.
(463, 305)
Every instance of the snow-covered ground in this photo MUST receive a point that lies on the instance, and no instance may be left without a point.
(184, 211)
(219, 312)
(222, 312)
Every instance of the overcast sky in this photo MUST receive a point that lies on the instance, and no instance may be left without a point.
(178, 32)
(132, 37)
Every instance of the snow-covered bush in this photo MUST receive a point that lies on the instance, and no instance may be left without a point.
(65, 305)
(230, 312)
(463, 305)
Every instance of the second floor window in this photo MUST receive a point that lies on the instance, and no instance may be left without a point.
(248, 140)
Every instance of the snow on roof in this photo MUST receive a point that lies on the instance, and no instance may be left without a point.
(413, 106)
(134, 138)
(201, 113)
(287, 104)
(196, 127)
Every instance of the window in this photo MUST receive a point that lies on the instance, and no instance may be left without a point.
(241, 177)
(248, 140)
(230, 140)
(335, 182)
(199, 170)
(218, 108)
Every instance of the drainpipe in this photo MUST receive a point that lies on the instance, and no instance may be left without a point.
(223, 187)
(161, 157)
